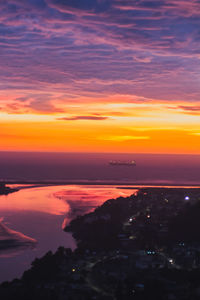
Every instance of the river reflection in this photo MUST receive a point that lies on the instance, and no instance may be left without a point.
(37, 214)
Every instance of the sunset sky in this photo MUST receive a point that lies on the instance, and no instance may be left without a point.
(100, 76)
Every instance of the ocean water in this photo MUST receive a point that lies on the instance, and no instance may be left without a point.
(150, 168)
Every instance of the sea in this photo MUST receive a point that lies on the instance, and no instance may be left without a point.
(150, 168)
(54, 188)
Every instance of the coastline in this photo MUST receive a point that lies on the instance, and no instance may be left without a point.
(122, 236)
(121, 184)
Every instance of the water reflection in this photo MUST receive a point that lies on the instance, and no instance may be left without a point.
(37, 214)
(83, 199)
(35, 199)
(13, 242)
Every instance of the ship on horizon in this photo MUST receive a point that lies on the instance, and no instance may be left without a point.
(130, 163)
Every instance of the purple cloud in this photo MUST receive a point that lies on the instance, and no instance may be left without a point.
(96, 48)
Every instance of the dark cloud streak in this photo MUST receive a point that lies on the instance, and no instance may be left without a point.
(77, 118)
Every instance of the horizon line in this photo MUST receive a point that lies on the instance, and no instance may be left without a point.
(95, 152)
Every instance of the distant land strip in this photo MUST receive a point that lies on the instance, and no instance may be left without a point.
(101, 182)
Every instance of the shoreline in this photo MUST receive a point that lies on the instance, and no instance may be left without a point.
(99, 183)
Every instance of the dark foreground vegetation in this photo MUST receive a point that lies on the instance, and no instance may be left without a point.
(5, 190)
(146, 246)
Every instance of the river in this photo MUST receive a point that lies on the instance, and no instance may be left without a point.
(33, 218)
